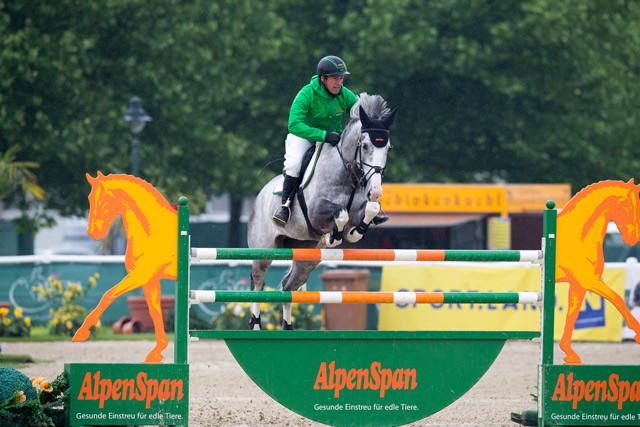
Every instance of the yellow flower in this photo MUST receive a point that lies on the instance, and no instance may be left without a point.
(4, 311)
(270, 327)
(68, 295)
(46, 386)
(6, 321)
(27, 322)
(92, 281)
(97, 275)
(35, 381)
(17, 312)
(19, 397)
(68, 324)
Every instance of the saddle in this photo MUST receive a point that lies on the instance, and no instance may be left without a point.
(307, 168)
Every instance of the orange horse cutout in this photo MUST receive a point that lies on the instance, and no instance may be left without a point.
(581, 227)
(151, 225)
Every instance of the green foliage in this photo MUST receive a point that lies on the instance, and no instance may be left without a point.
(67, 313)
(517, 91)
(14, 323)
(33, 402)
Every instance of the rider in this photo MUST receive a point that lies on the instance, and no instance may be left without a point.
(315, 115)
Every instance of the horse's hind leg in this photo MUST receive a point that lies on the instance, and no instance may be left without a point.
(294, 279)
(618, 302)
(258, 270)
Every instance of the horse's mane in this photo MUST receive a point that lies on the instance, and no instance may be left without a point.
(592, 188)
(375, 106)
(124, 182)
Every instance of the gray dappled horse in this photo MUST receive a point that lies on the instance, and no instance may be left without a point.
(341, 199)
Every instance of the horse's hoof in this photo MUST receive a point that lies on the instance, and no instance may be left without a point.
(153, 357)
(81, 334)
(287, 326)
(254, 323)
(572, 359)
(380, 219)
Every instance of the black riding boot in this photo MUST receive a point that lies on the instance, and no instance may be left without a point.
(281, 215)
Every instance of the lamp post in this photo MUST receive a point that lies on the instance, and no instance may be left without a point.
(136, 119)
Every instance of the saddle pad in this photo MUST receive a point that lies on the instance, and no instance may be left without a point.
(308, 172)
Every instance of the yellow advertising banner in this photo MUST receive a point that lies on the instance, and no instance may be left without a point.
(481, 198)
(445, 198)
(597, 322)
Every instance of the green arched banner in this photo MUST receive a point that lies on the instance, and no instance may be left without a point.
(354, 378)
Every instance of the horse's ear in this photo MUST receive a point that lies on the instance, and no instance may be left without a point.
(364, 118)
(90, 178)
(388, 121)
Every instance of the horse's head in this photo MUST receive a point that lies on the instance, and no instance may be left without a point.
(102, 208)
(371, 153)
(626, 215)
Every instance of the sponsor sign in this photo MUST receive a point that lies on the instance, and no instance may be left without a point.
(128, 394)
(371, 378)
(591, 395)
(598, 320)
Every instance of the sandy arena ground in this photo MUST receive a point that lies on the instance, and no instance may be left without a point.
(223, 395)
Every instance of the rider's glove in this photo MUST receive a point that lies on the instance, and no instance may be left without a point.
(332, 138)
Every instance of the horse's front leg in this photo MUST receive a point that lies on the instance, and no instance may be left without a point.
(127, 284)
(334, 238)
(357, 233)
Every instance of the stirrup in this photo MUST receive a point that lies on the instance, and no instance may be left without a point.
(380, 219)
(281, 215)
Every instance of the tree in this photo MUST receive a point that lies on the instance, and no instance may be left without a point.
(518, 91)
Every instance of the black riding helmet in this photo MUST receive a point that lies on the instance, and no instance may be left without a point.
(332, 66)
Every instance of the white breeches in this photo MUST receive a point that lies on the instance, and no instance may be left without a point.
(295, 148)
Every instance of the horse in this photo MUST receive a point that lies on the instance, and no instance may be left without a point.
(581, 228)
(151, 255)
(340, 193)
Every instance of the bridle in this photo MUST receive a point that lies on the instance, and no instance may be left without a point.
(357, 174)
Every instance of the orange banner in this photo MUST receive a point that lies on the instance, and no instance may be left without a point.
(483, 198)
(444, 198)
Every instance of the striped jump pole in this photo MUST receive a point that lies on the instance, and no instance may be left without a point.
(288, 254)
(324, 297)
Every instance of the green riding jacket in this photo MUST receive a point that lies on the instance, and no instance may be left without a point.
(315, 112)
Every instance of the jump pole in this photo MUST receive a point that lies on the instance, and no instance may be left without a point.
(425, 346)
